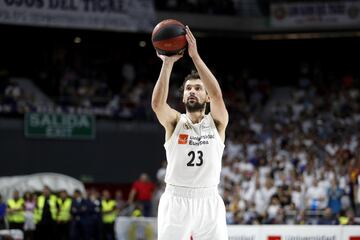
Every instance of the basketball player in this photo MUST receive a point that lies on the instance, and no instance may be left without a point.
(191, 204)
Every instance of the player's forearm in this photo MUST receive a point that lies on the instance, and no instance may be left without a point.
(209, 80)
(161, 89)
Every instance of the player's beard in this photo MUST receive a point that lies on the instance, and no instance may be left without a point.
(195, 107)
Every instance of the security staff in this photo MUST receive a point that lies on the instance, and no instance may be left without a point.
(109, 213)
(64, 215)
(45, 215)
(15, 211)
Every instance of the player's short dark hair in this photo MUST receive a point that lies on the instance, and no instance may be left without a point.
(191, 76)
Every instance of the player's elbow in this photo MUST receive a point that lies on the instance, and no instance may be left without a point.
(156, 105)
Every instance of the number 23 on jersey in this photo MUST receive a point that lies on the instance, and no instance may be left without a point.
(196, 158)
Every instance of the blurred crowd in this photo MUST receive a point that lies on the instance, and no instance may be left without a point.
(79, 216)
(80, 87)
(298, 164)
(293, 159)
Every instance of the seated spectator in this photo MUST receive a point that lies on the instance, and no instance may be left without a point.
(316, 197)
(334, 194)
(328, 218)
(347, 217)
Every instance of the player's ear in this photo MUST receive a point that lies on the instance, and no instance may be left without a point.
(207, 98)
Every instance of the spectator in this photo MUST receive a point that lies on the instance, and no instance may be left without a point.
(273, 209)
(120, 202)
(95, 214)
(29, 225)
(316, 197)
(80, 228)
(13, 92)
(297, 196)
(328, 218)
(2, 213)
(268, 191)
(142, 192)
(334, 195)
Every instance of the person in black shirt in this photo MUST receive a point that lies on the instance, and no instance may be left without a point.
(79, 227)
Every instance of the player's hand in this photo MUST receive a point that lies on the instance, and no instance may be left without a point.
(192, 47)
(172, 58)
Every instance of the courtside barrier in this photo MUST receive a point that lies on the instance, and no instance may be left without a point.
(134, 228)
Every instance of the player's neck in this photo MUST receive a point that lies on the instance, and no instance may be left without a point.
(196, 117)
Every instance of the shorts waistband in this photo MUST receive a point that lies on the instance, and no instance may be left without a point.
(188, 192)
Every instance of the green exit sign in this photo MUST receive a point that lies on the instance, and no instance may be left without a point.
(60, 126)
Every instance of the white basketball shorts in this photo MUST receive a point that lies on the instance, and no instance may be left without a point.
(196, 212)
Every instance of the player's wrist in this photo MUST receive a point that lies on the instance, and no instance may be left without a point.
(196, 57)
(168, 62)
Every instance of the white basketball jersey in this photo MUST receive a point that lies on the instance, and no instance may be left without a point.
(194, 153)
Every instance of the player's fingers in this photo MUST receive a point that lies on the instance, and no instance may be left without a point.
(188, 31)
(188, 39)
(181, 53)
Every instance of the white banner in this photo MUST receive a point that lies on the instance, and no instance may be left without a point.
(312, 232)
(315, 14)
(136, 228)
(351, 233)
(126, 15)
(131, 228)
(294, 232)
(244, 232)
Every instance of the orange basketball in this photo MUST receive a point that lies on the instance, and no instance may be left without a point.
(168, 37)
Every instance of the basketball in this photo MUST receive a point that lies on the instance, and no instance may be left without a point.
(168, 37)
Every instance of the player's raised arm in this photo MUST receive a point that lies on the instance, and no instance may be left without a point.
(166, 115)
(217, 105)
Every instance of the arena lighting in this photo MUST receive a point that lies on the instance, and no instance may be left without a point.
(142, 43)
(315, 35)
(77, 40)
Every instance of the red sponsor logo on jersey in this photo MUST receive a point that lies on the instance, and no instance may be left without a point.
(274, 237)
(183, 138)
(354, 238)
